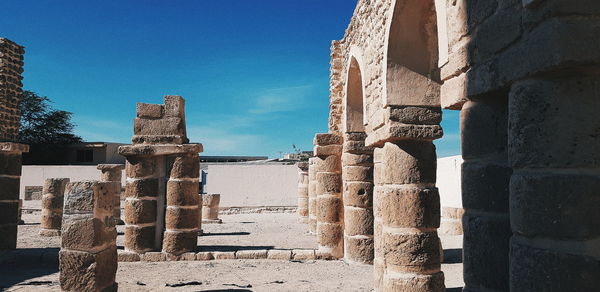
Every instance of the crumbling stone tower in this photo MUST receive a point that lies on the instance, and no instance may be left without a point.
(11, 68)
(162, 203)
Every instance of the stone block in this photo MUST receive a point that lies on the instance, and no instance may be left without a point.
(149, 111)
(125, 256)
(328, 139)
(84, 271)
(358, 194)
(485, 251)
(185, 166)
(411, 252)
(418, 115)
(555, 205)
(154, 257)
(485, 186)
(10, 164)
(224, 255)
(174, 106)
(329, 183)
(329, 209)
(409, 162)
(484, 127)
(401, 283)
(409, 207)
(357, 173)
(359, 249)
(279, 254)
(204, 256)
(358, 221)
(356, 147)
(89, 197)
(303, 254)
(537, 269)
(454, 92)
(183, 193)
(166, 127)
(34, 193)
(181, 218)
(142, 188)
(139, 211)
(84, 233)
(357, 159)
(140, 167)
(251, 254)
(330, 234)
(331, 163)
(140, 239)
(188, 256)
(554, 123)
(180, 242)
(323, 151)
(9, 188)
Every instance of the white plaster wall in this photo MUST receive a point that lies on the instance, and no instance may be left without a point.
(253, 185)
(35, 175)
(449, 181)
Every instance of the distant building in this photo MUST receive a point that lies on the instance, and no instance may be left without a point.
(304, 155)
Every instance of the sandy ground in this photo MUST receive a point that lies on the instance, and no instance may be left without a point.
(35, 268)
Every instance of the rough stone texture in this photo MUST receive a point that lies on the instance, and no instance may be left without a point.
(11, 69)
(10, 154)
(303, 197)
(88, 255)
(33, 192)
(312, 193)
(210, 207)
(112, 173)
(52, 206)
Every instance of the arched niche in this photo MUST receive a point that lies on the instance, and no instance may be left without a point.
(412, 72)
(354, 116)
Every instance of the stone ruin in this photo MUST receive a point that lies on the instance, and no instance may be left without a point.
(162, 203)
(303, 192)
(52, 206)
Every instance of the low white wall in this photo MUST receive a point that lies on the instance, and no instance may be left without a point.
(449, 181)
(253, 185)
(35, 175)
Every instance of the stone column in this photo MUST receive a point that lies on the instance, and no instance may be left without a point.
(312, 194)
(210, 208)
(485, 180)
(330, 214)
(554, 149)
(357, 176)
(181, 218)
(10, 177)
(88, 255)
(303, 191)
(11, 68)
(52, 206)
(113, 173)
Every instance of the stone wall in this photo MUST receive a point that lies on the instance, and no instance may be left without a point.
(11, 68)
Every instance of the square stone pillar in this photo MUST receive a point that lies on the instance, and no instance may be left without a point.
(10, 177)
(303, 191)
(330, 214)
(162, 202)
(52, 206)
(88, 254)
(113, 173)
(357, 176)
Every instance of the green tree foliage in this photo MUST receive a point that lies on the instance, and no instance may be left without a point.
(46, 130)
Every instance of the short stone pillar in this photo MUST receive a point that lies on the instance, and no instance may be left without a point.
(312, 194)
(113, 173)
(10, 177)
(303, 191)
(52, 206)
(88, 255)
(357, 176)
(161, 205)
(330, 220)
(210, 208)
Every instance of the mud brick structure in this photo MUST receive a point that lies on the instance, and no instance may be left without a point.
(11, 68)
(357, 176)
(161, 205)
(113, 173)
(330, 214)
(88, 255)
(52, 206)
(303, 192)
(312, 194)
(210, 208)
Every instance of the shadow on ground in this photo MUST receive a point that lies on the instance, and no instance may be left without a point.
(453, 256)
(20, 265)
(457, 289)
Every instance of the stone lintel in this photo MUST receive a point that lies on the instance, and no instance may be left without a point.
(394, 131)
(326, 139)
(159, 150)
(108, 167)
(13, 147)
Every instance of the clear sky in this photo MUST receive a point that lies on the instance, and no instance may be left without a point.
(254, 73)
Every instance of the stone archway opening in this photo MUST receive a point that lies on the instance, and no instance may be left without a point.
(354, 99)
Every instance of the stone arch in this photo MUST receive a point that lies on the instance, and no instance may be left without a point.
(354, 101)
(411, 54)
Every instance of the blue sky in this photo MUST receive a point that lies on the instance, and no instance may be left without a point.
(254, 73)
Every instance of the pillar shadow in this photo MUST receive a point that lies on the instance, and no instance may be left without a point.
(225, 233)
(453, 256)
(228, 290)
(227, 248)
(19, 265)
(456, 289)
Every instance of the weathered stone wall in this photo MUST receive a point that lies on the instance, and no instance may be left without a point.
(11, 68)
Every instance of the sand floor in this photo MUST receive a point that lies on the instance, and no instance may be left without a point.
(33, 267)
